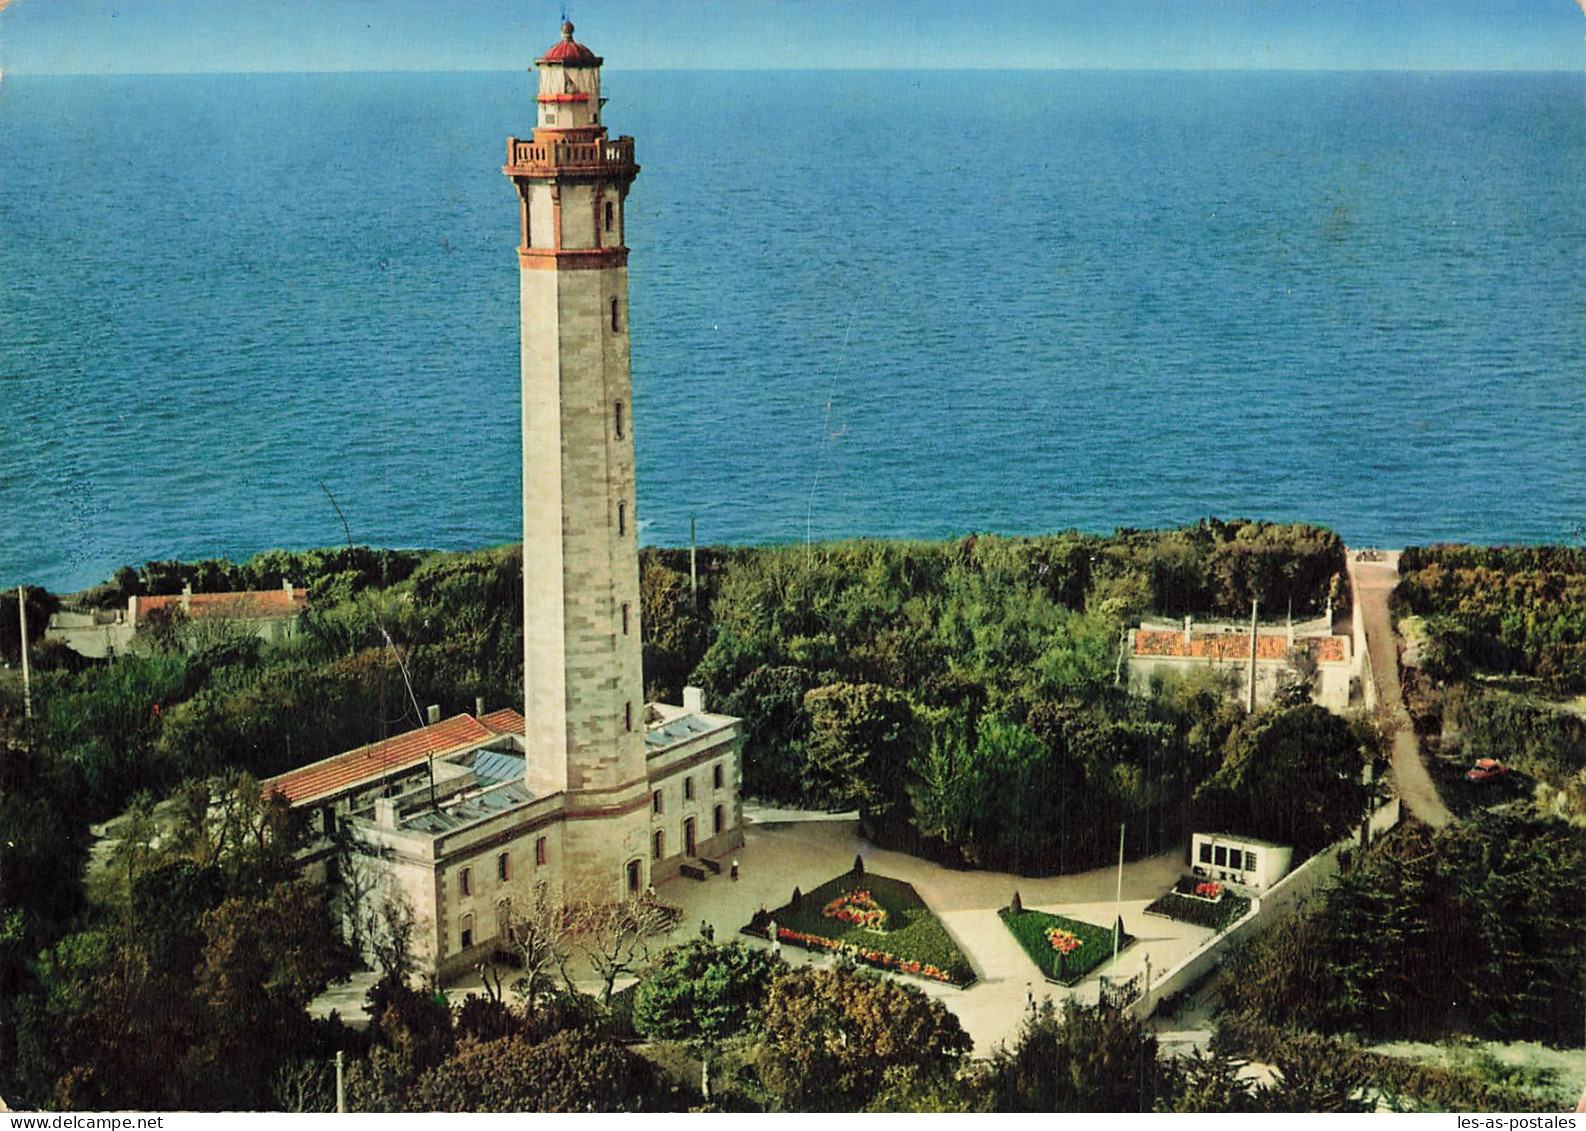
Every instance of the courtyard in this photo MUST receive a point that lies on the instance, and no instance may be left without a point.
(787, 848)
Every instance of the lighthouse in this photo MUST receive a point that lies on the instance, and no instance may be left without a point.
(591, 794)
(583, 680)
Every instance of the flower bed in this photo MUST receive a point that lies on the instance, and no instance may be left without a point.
(1064, 949)
(1187, 906)
(858, 908)
(911, 941)
(1192, 888)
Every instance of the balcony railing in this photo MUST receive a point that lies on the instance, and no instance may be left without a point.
(609, 156)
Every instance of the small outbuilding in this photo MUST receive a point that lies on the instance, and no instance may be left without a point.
(1246, 861)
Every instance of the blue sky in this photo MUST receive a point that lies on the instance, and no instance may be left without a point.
(154, 36)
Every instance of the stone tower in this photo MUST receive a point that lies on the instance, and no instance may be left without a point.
(583, 681)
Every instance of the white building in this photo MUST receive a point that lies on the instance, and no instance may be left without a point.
(1242, 860)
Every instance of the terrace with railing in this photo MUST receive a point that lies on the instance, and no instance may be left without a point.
(608, 157)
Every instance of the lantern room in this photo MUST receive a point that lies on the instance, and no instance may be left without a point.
(569, 97)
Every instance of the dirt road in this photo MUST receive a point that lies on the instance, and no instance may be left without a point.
(1373, 582)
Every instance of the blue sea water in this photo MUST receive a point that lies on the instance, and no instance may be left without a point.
(863, 304)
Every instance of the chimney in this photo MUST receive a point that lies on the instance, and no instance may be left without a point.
(132, 610)
(385, 812)
(694, 699)
(1189, 621)
(433, 714)
(187, 597)
(479, 706)
(286, 584)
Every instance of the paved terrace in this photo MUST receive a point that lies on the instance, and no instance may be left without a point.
(786, 848)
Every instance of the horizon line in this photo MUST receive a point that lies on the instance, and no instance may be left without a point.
(807, 70)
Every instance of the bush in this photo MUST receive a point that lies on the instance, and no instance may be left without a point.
(914, 943)
(1031, 927)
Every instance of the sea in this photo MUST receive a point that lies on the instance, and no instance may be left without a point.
(863, 304)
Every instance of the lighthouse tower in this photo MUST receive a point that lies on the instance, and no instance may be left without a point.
(583, 681)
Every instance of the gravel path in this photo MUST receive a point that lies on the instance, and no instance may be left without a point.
(1373, 583)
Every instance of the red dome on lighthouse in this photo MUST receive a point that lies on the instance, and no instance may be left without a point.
(569, 53)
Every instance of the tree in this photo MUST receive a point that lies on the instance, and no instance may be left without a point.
(1291, 775)
(615, 935)
(1205, 1082)
(575, 1070)
(389, 924)
(265, 960)
(539, 939)
(861, 741)
(832, 1035)
(702, 994)
(1082, 1059)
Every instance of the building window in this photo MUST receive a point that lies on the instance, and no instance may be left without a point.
(655, 802)
(1250, 861)
(503, 867)
(658, 844)
(715, 777)
(627, 717)
(614, 326)
(616, 412)
(1206, 852)
(721, 820)
(611, 215)
(540, 852)
(688, 789)
(465, 881)
(1220, 856)
(625, 618)
(635, 875)
(622, 518)
(466, 931)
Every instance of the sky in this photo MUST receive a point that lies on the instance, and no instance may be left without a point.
(165, 36)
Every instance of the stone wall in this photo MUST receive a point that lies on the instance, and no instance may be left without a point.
(1281, 900)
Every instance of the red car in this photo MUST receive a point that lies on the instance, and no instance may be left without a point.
(1486, 768)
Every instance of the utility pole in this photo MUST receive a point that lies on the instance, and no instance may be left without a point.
(1117, 910)
(693, 565)
(1251, 705)
(27, 675)
(341, 1084)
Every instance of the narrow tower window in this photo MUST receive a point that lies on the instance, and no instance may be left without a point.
(627, 716)
(611, 215)
(659, 850)
(617, 413)
(541, 852)
(625, 618)
(613, 315)
(622, 518)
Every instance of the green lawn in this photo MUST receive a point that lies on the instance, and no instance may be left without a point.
(1095, 943)
(913, 941)
(1218, 916)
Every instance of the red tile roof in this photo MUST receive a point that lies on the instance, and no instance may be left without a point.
(567, 51)
(342, 770)
(1232, 645)
(505, 721)
(255, 605)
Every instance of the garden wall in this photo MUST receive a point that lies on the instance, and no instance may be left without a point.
(1265, 910)
(1362, 660)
